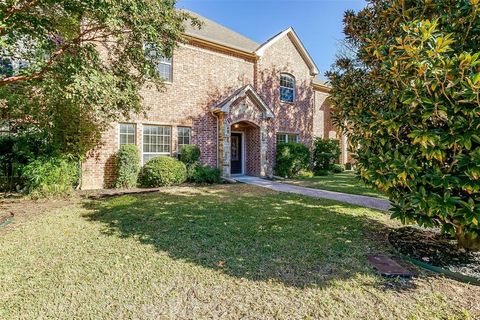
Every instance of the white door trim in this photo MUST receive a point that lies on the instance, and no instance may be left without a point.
(242, 133)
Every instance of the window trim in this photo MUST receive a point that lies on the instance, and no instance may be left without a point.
(189, 137)
(286, 137)
(170, 81)
(293, 88)
(157, 153)
(134, 133)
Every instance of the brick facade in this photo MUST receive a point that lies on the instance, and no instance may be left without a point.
(202, 78)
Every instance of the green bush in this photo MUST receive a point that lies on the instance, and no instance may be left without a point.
(291, 158)
(306, 174)
(190, 155)
(207, 175)
(163, 171)
(325, 153)
(46, 177)
(128, 166)
(321, 173)
(409, 102)
(348, 166)
(338, 168)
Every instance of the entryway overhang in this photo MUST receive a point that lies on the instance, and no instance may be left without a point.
(242, 92)
(243, 108)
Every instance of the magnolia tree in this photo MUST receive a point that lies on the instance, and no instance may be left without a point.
(70, 67)
(409, 102)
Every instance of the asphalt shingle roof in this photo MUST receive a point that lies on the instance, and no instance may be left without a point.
(214, 32)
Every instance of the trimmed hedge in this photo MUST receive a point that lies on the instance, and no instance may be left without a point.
(325, 153)
(128, 166)
(47, 177)
(291, 159)
(207, 175)
(190, 155)
(163, 171)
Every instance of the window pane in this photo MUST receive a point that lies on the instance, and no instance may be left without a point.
(156, 141)
(281, 138)
(293, 138)
(127, 133)
(183, 134)
(286, 94)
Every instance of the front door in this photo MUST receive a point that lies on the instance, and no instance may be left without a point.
(236, 153)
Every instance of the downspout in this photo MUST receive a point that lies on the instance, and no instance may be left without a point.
(216, 117)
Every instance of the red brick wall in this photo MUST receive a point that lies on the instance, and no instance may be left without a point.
(203, 78)
(297, 117)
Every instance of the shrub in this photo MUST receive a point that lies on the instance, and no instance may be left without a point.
(348, 166)
(306, 174)
(128, 166)
(325, 153)
(291, 158)
(321, 173)
(190, 155)
(163, 171)
(409, 102)
(46, 177)
(207, 175)
(338, 168)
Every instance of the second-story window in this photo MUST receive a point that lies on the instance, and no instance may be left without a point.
(163, 64)
(165, 69)
(287, 88)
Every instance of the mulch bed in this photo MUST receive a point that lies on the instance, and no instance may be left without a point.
(434, 248)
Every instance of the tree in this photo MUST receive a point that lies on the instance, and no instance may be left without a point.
(71, 67)
(410, 101)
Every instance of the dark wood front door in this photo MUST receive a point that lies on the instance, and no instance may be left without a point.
(236, 153)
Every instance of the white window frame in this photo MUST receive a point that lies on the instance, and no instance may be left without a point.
(292, 88)
(179, 145)
(155, 153)
(163, 62)
(120, 133)
(287, 137)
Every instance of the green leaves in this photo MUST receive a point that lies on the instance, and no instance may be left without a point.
(82, 63)
(409, 103)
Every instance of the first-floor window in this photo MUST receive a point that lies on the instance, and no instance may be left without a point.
(184, 137)
(156, 141)
(127, 133)
(286, 138)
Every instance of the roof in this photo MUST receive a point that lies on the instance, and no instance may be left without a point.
(318, 80)
(215, 32)
(224, 106)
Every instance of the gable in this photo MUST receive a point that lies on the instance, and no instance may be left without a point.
(295, 40)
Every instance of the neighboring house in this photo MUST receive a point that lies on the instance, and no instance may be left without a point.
(233, 97)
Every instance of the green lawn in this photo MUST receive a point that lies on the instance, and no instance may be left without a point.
(231, 251)
(341, 182)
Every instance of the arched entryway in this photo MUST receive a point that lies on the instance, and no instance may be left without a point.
(245, 149)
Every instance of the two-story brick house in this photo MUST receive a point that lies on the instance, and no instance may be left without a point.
(229, 95)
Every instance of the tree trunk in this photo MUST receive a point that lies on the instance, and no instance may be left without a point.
(467, 241)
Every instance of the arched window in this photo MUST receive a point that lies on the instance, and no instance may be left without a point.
(287, 87)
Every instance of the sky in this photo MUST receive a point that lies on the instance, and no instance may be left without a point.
(318, 23)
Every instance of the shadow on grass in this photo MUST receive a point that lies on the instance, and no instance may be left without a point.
(247, 232)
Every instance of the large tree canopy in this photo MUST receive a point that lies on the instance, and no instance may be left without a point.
(410, 104)
(70, 67)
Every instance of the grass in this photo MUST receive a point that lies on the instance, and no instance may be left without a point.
(232, 251)
(345, 182)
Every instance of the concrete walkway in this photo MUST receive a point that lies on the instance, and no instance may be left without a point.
(364, 201)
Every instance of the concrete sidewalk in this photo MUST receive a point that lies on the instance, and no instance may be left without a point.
(369, 202)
